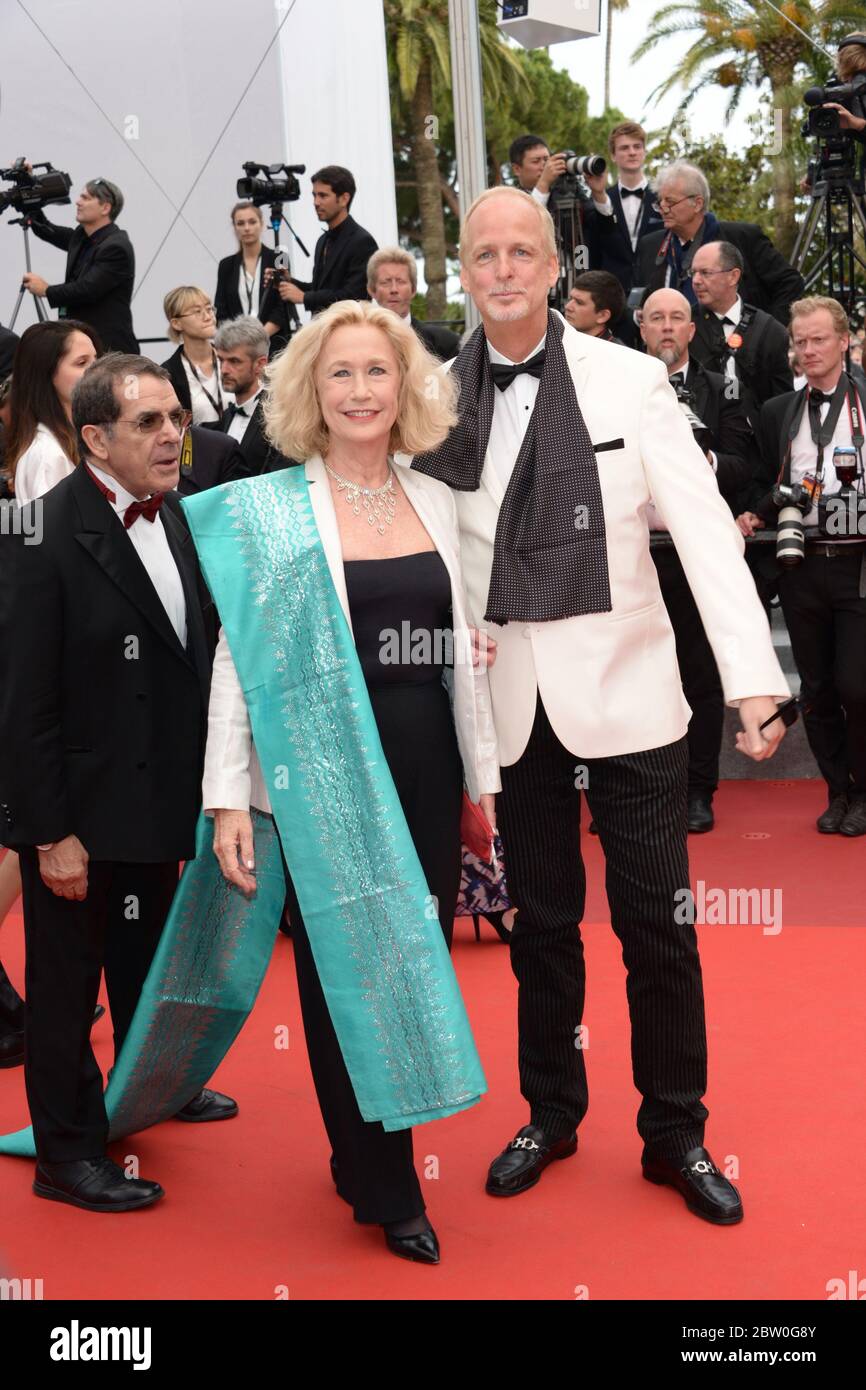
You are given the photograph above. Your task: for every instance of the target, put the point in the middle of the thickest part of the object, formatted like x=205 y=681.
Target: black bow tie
x=631 y=192
x=503 y=374
x=820 y=397
x=677 y=379
x=231 y=411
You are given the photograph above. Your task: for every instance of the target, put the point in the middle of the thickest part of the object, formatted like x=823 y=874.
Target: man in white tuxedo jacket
x=587 y=693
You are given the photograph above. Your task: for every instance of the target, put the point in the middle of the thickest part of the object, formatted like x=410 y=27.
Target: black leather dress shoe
x=830 y=822
x=96 y=1184
x=700 y=815
x=11 y=1050
x=208 y=1105
x=422 y=1247
x=855 y=818
x=707 y=1192
x=522 y=1162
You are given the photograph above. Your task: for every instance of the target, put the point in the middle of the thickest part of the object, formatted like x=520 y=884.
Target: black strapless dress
x=401 y=619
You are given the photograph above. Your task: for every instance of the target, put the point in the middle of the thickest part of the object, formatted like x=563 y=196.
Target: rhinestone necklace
x=379 y=503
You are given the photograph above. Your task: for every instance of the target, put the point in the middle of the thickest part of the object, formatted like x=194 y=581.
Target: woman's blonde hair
x=177 y=302
x=426 y=407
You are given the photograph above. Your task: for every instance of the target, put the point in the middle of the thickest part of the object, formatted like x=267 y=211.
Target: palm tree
x=418 y=38
x=611 y=6
x=742 y=44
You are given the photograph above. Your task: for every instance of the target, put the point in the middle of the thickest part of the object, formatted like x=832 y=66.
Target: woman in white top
x=41 y=449
x=40 y=452
x=194 y=368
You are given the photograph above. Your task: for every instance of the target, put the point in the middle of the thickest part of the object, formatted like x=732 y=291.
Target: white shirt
x=632 y=208
x=512 y=411
x=151 y=543
x=203 y=411
x=804 y=455
x=248 y=292
x=735 y=313
x=241 y=419
x=41 y=467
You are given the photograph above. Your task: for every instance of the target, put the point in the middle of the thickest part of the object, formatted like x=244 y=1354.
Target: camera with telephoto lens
x=33 y=191
x=580 y=164
x=793 y=501
x=703 y=436
x=262 y=185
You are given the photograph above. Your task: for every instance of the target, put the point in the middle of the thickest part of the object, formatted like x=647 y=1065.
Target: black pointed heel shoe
x=496 y=920
x=422 y=1247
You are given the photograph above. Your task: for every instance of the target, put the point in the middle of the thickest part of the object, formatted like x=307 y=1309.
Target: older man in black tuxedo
x=106 y=639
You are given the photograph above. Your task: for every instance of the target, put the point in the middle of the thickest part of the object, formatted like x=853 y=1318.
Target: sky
x=631 y=83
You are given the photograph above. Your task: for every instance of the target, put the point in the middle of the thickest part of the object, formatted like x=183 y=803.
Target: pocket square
x=609 y=444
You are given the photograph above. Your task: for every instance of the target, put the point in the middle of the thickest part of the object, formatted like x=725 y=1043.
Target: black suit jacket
x=761 y=364
x=8 y=343
x=725 y=418
x=614 y=242
x=254 y=447
x=216 y=458
x=342 y=274
x=270 y=308
x=440 y=341
x=179 y=379
x=100 y=272
x=102 y=711
x=776 y=418
x=768 y=281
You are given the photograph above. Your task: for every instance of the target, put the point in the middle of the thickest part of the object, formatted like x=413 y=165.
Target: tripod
x=573 y=254
x=25 y=224
x=840 y=198
x=277 y=219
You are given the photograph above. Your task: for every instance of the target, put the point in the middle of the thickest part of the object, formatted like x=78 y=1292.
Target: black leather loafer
x=854 y=822
x=707 y=1192
x=700 y=815
x=830 y=821
x=423 y=1247
x=11 y=1050
x=522 y=1162
x=206 y=1106
x=96 y=1184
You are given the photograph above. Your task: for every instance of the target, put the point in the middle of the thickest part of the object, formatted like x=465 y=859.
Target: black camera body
x=262 y=185
x=837 y=158
x=703 y=435
x=33 y=191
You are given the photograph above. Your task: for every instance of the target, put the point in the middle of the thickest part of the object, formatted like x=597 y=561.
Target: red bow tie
x=148 y=509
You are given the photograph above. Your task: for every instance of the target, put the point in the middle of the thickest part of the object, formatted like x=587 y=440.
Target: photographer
x=851 y=67
x=537 y=172
x=241 y=284
x=100 y=266
x=595 y=302
x=720 y=426
x=340 y=263
x=665 y=258
x=807 y=437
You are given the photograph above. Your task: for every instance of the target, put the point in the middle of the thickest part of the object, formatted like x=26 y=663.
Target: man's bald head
x=666 y=327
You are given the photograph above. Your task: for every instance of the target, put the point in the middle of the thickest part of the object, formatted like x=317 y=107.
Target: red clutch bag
x=476 y=831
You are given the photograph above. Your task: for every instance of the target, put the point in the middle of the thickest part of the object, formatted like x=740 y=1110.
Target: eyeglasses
x=152 y=421
x=203 y=310
x=704 y=274
x=664 y=204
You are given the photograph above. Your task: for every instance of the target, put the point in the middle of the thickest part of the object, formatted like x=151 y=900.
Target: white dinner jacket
x=232 y=775
x=609 y=682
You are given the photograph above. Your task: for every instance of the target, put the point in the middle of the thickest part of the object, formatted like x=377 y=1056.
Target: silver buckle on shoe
x=523 y=1142
x=703 y=1165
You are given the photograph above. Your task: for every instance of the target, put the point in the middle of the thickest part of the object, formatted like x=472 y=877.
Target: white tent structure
x=168 y=99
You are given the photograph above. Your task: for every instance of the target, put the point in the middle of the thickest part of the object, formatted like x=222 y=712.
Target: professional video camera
x=33 y=191
x=568 y=196
x=269 y=188
x=837 y=152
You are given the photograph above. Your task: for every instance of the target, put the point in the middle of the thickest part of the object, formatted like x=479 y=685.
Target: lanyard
x=249 y=281
x=845 y=391
x=218 y=403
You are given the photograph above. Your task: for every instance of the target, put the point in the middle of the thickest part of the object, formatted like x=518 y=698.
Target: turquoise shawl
x=373 y=927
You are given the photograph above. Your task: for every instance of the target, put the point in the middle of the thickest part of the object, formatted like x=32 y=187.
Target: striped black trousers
x=638 y=802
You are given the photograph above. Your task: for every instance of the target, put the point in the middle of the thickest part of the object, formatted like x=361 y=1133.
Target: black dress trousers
x=699 y=673
x=826 y=619
x=117 y=926
x=638 y=802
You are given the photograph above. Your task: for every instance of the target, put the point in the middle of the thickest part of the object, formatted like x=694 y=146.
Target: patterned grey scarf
x=550 y=551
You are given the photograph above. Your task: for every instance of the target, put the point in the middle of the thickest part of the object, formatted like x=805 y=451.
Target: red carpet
x=250 y=1206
